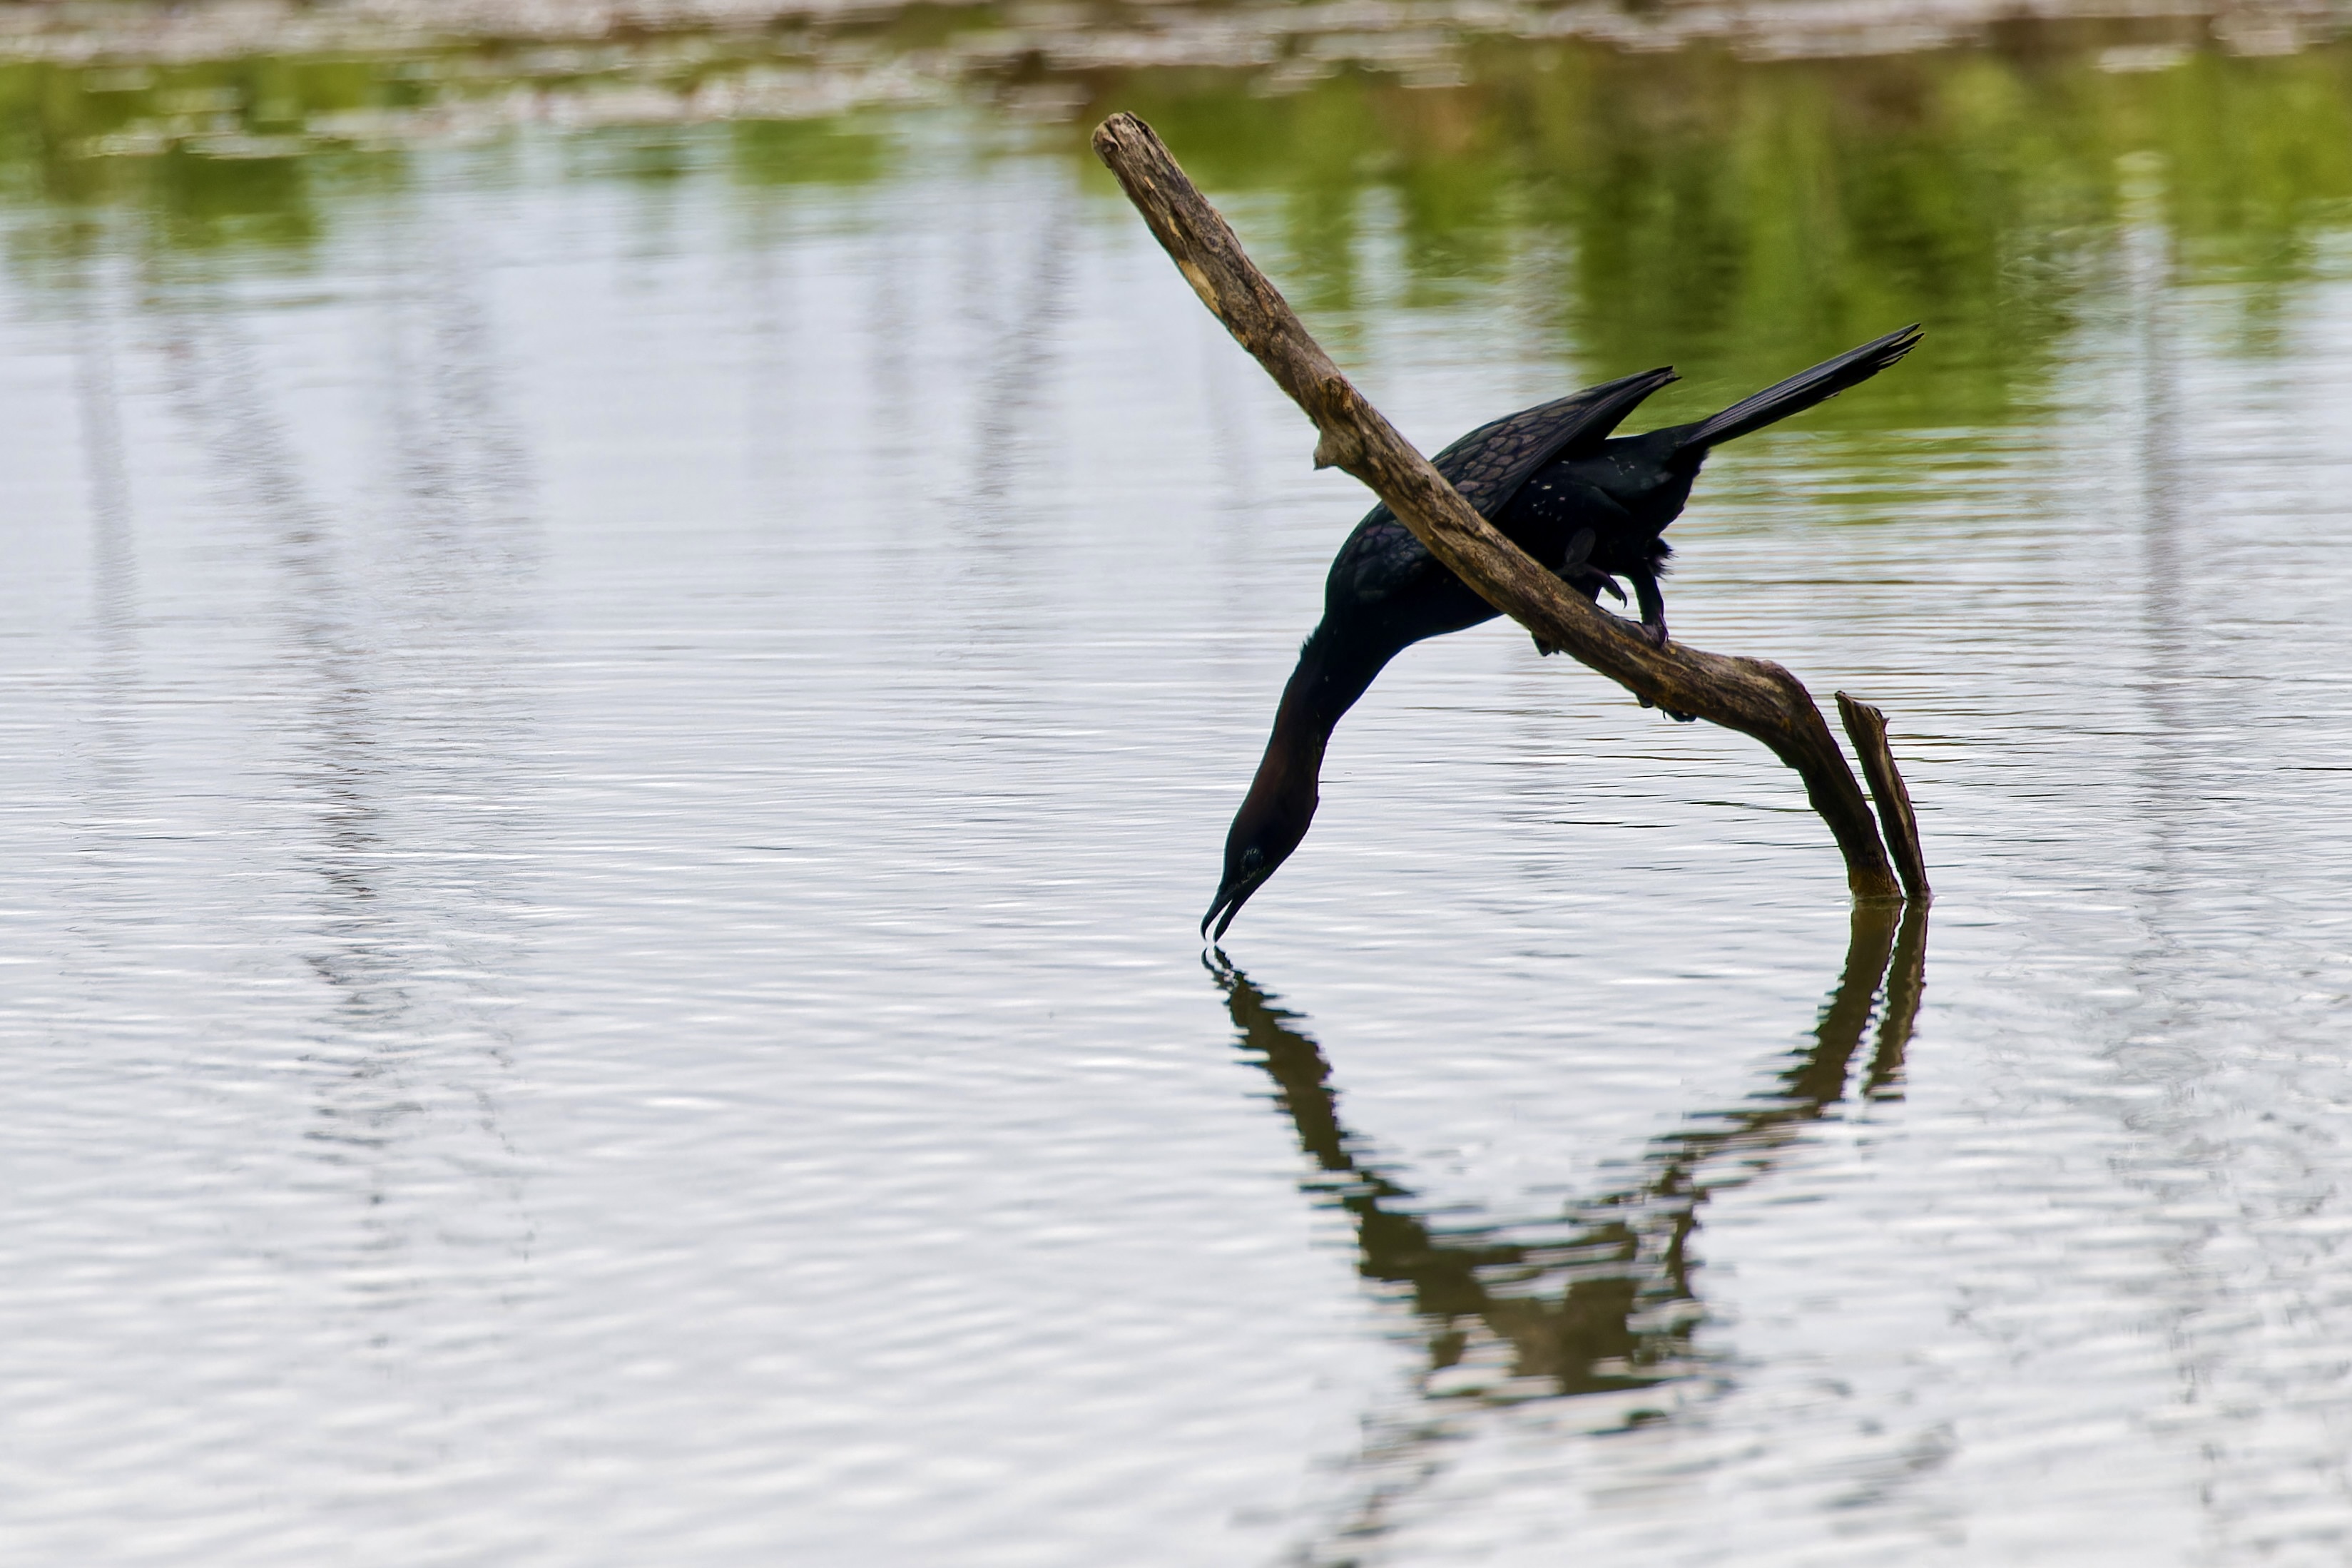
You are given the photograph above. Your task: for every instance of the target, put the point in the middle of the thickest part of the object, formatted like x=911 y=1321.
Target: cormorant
x=1589 y=506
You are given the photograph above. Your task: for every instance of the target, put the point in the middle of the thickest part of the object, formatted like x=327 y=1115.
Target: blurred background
x=1729 y=186
x=628 y=632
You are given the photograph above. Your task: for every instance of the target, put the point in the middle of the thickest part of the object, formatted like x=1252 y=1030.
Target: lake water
x=618 y=711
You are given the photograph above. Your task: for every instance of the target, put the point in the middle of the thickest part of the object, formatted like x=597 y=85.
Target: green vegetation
x=1735 y=217
x=841 y=152
x=1738 y=218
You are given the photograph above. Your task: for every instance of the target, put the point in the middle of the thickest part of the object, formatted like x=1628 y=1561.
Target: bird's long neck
x=1331 y=675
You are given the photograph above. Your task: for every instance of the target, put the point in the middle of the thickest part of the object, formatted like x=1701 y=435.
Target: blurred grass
x=1740 y=218
x=1735 y=217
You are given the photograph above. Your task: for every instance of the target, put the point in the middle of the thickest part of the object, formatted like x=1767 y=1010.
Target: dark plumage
x=1589 y=506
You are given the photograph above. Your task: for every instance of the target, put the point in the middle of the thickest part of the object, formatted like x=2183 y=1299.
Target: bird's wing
x=1487 y=465
x=1490 y=464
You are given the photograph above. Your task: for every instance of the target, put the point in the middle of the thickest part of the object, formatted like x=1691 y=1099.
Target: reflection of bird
x=1585 y=1299
x=1551 y=477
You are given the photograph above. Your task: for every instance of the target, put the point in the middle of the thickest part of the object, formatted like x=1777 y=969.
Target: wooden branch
x=1867 y=727
x=1755 y=697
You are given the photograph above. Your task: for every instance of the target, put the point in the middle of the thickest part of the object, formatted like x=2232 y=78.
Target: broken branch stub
x=1755 y=697
x=1866 y=726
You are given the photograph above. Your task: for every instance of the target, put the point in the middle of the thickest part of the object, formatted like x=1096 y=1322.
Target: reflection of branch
x=1599 y=1309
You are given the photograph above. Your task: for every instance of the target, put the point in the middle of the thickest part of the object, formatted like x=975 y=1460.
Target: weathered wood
x=1755 y=697
x=1868 y=726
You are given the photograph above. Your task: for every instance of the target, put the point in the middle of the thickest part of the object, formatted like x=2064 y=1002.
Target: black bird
x=1589 y=506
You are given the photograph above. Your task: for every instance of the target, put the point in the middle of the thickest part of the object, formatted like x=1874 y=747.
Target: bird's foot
x=1678 y=716
x=1545 y=648
x=1655 y=631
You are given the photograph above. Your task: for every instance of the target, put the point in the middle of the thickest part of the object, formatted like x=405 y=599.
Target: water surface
x=615 y=733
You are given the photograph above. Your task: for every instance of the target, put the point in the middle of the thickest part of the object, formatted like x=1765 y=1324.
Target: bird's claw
x=1656 y=632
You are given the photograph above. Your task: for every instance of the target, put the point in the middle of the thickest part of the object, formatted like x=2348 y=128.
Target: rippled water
x=613 y=744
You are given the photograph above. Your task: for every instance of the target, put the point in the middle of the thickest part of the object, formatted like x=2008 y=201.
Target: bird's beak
x=1230 y=900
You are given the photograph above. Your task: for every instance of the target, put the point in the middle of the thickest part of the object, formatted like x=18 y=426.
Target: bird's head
x=1271 y=822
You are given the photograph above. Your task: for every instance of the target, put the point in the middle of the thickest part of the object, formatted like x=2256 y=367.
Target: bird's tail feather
x=1800 y=390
